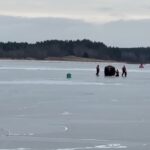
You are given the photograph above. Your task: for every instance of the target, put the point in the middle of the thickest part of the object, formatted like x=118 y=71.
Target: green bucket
x=69 y=75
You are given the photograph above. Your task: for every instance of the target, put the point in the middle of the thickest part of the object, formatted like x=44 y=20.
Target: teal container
x=69 y=76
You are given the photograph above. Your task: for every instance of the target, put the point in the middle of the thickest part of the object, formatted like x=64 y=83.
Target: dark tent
x=109 y=71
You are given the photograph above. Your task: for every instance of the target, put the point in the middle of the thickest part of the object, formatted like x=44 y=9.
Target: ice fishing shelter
x=109 y=71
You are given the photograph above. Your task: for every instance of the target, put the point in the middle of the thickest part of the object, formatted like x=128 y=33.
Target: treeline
x=80 y=48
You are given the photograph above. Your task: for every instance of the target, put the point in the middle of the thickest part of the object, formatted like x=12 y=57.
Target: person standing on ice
x=97 y=70
x=124 y=71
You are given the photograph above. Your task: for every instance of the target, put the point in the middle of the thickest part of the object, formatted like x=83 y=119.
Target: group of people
x=124 y=71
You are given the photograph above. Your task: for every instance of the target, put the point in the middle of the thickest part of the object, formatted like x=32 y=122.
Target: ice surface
x=42 y=110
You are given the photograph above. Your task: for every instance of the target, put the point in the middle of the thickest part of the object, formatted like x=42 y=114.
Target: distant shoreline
x=77 y=50
x=76 y=59
x=70 y=58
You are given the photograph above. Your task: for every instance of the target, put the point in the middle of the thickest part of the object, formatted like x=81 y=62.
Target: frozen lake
x=41 y=110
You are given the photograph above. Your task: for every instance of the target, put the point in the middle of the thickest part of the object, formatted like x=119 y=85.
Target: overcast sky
x=124 y=23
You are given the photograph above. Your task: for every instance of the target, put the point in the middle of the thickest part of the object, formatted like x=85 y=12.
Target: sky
x=122 y=23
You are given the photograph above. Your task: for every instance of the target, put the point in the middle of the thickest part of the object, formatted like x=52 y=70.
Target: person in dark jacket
x=124 y=71
x=97 y=70
x=117 y=73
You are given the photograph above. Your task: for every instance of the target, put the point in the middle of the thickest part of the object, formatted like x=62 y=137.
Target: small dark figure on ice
x=117 y=73
x=124 y=71
x=97 y=70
